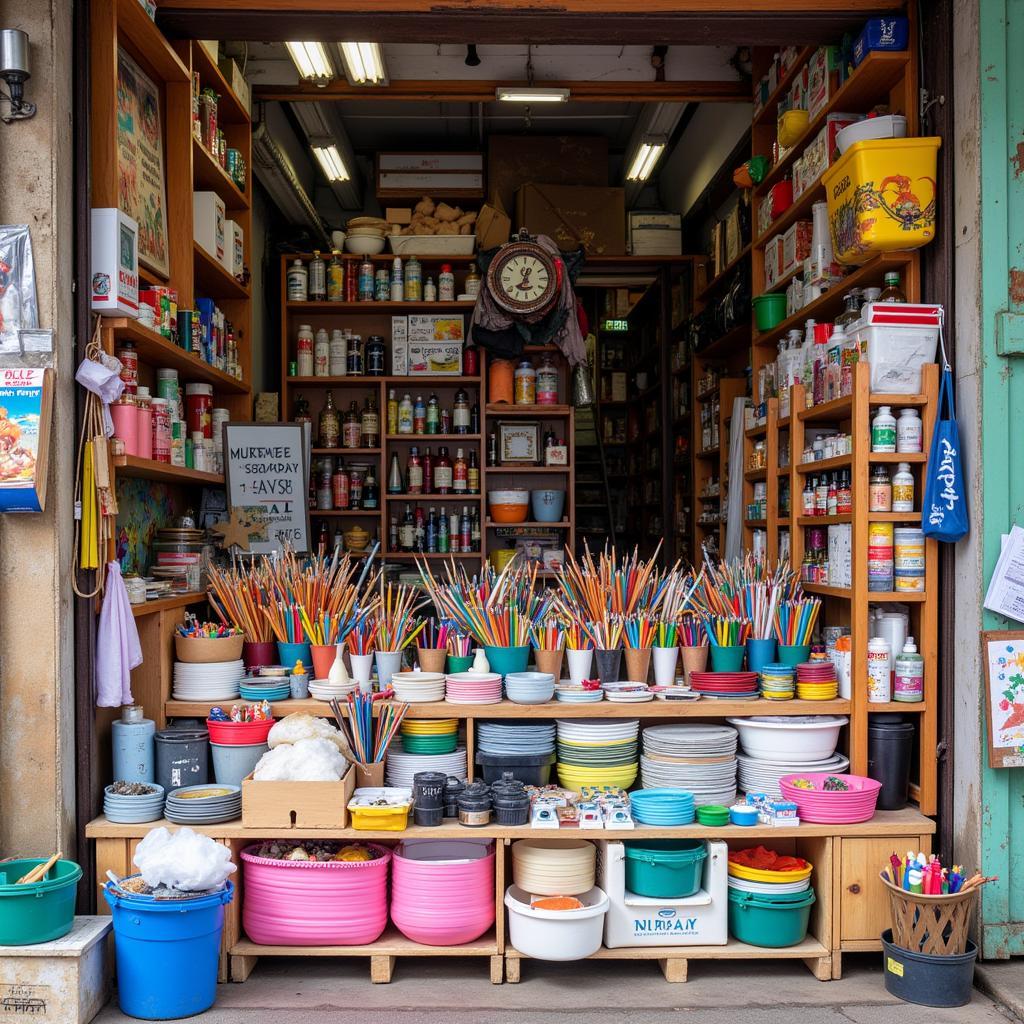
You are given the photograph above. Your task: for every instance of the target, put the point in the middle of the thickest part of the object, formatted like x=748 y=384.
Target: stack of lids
x=713 y=815
x=698 y=758
x=203 y=805
x=402 y=765
x=515 y=737
x=725 y=685
x=598 y=753
x=777 y=682
x=816 y=680
x=430 y=736
x=554 y=867
x=662 y=807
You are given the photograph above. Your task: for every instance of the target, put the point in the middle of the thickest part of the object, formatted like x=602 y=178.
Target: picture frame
x=519 y=443
x=1002 y=652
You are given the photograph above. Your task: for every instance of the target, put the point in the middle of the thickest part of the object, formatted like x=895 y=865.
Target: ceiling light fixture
x=643 y=163
x=530 y=94
x=364 y=63
x=312 y=61
x=330 y=161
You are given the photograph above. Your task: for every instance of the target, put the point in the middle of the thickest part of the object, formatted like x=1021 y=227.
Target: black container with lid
x=475 y=805
x=510 y=800
x=452 y=791
x=890 y=754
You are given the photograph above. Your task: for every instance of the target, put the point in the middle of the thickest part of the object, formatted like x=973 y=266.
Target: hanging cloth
x=118 y=650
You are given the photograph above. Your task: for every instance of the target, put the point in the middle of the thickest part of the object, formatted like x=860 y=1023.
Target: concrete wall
x=37 y=764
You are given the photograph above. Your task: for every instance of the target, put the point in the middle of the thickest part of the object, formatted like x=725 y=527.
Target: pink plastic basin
x=307 y=903
x=829 y=807
x=443 y=892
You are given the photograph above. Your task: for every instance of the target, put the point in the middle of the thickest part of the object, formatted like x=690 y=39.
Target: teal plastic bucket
x=504 y=660
x=167 y=953
x=770 y=921
x=769 y=310
x=760 y=653
x=665 y=868
x=289 y=653
x=41 y=911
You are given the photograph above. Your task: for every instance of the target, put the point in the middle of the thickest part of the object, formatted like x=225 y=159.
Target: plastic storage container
x=882 y=197
x=770 y=921
x=392 y=817
x=665 y=868
x=881 y=34
x=40 y=911
x=530 y=769
x=769 y=310
x=927 y=979
x=890 y=750
x=556 y=934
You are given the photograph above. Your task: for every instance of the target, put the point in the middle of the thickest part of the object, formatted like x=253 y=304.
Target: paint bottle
x=879 y=679
x=133 y=746
x=317 y=278
x=298 y=282
x=883 y=431
x=909 y=674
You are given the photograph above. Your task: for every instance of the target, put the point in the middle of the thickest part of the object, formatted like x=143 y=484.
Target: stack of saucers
x=204 y=805
x=323 y=690
x=698 y=758
x=725 y=685
x=207 y=681
x=402 y=766
x=816 y=680
x=529 y=687
x=261 y=688
x=473 y=688
x=777 y=681
x=627 y=693
x=418 y=687
x=515 y=737
x=568 y=693
x=125 y=809
x=598 y=753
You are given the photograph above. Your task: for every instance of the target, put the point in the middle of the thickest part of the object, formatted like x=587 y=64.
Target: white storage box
x=209 y=223
x=655 y=234
x=897 y=339
x=699 y=920
x=115 y=263
x=234 y=248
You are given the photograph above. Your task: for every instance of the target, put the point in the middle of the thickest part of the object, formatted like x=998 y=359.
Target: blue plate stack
x=270 y=688
x=204 y=805
x=662 y=807
x=529 y=687
x=132 y=810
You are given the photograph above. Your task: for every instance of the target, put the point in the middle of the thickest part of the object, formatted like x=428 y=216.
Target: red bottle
x=443 y=472
x=428 y=471
x=414 y=472
x=340 y=487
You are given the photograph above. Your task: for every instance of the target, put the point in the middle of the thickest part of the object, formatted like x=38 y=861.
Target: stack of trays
x=777 y=682
x=700 y=759
x=725 y=685
x=473 y=688
x=426 y=736
x=132 y=810
x=515 y=738
x=208 y=681
x=816 y=680
x=204 y=805
x=418 y=687
x=403 y=765
x=598 y=753
x=758 y=776
x=529 y=687
x=264 y=689
x=570 y=694
x=662 y=807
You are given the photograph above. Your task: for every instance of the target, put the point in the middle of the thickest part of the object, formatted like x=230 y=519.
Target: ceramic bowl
x=364 y=245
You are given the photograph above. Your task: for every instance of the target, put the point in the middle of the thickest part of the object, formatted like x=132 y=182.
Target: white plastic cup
x=362 y=667
x=665 y=659
x=580 y=663
x=388 y=663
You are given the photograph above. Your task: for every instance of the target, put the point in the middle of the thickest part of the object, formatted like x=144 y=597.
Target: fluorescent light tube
x=643 y=163
x=330 y=160
x=529 y=94
x=364 y=62
x=311 y=60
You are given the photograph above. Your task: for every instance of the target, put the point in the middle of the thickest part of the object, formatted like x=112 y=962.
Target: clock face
x=522 y=278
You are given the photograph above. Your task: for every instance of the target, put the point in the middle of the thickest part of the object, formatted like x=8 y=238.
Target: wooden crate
x=283 y=805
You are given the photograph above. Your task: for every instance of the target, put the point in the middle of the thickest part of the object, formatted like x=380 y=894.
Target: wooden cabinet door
x=863 y=900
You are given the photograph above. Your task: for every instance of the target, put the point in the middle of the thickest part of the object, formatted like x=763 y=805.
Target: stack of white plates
x=758 y=776
x=208 y=681
x=698 y=758
x=627 y=693
x=418 y=687
x=570 y=694
x=515 y=738
x=554 y=867
x=323 y=690
x=401 y=767
x=529 y=687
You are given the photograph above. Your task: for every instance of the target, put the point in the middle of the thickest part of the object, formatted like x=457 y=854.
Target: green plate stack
x=423 y=736
x=713 y=815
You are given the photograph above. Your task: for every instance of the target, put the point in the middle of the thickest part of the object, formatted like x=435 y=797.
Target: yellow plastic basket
x=380 y=819
x=882 y=197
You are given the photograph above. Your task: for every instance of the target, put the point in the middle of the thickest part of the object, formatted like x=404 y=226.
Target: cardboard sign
x=266 y=466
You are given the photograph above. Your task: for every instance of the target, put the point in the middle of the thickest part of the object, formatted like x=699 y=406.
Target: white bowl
x=509 y=497
x=366 y=245
x=797 y=739
x=888 y=126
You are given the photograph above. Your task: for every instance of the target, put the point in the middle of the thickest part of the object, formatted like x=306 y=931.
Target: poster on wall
x=141 y=187
x=267 y=472
x=1003 y=654
x=26 y=409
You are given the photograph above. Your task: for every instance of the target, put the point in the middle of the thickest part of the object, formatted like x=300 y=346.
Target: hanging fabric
x=118 y=650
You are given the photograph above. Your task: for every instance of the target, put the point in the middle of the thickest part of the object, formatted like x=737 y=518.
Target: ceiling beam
x=465 y=91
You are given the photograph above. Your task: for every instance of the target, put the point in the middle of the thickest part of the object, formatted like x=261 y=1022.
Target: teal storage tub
x=667 y=869
x=41 y=911
x=770 y=921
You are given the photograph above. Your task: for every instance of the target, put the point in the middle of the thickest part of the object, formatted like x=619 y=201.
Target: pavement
x=441 y=991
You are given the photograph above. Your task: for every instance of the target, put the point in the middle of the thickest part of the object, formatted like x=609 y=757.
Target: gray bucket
x=926 y=979
x=232 y=762
x=182 y=758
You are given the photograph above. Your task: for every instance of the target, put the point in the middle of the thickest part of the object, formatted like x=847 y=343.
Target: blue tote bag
x=944 y=505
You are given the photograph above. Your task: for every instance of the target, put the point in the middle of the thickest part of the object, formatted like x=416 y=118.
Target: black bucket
x=926 y=979
x=890 y=750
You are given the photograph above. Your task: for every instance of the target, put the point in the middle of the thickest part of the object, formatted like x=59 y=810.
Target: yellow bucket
x=882 y=197
x=500 y=557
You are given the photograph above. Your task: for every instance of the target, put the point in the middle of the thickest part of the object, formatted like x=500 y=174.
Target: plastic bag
x=316 y=760
x=183 y=860
x=293 y=728
x=18 y=308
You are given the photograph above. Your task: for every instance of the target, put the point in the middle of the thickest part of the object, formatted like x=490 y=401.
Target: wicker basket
x=935 y=925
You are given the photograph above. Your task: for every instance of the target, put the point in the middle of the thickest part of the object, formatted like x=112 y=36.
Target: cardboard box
x=297 y=804
x=655 y=234
x=239 y=86
x=398 y=215
x=399 y=346
x=435 y=358
x=772 y=262
x=733 y=238
x=234 y=248
x=574 y=216
x=618 y=386
x=209 y=223
x=796 y=245
x=820 y=153
x=493 y=225
x=430 y=174
x=822 y=79
x=115 y=263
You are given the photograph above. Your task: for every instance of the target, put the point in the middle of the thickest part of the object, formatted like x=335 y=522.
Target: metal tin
x=908 y=559
x=382 y=285
x=366 y=281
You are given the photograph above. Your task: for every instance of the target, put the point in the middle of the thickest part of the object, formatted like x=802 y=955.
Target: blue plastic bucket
x=167 y=953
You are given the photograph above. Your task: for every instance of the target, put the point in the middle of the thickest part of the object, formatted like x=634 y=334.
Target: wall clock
x=523 y=278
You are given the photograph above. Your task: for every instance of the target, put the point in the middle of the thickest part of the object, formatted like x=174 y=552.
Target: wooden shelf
x=229 y=107
x=379 y=307
x=755 y=523
x=919 y=706
x=897 y=400
x=421 y=438
x=837 y=409
x=346 y=451
x=413 y=498
x=845 y=593
x=824 y=465
x=868 y=85
x=755 y=474
x=410 y=555
x=531 y=523
x=528 y=469
x=713 y=284
x=894 y=517
x=209 y=176
x=756 y=432
x=450 y=379
x=709 y=453
x=165 y=604
x=212 y=281
x=543 y=412
x=767 y=115
x=139 y=29
x=336 y=382
x=896 y=457
x=727 y=342
x=824 y=520
x=156 y=350
x=343 y=513
x=149 y=469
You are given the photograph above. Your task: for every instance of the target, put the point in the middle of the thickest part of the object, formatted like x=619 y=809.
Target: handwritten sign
x=267 y=467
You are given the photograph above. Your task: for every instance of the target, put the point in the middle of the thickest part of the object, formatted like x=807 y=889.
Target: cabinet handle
x=855 y=888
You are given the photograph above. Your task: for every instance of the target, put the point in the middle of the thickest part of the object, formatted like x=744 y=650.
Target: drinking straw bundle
x=356 y=724
x=691 y=631
x=794 y=621
x=397 y=625
x=639 y=632
x=548 y=635
x=726 y=630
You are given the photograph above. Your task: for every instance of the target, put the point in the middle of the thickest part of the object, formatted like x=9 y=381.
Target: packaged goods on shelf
x=115 y=263
x=209 y=224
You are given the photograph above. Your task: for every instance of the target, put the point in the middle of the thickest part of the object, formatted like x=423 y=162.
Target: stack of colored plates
x=426 y=736
x=264 y=689
x=777 y=682
x=713 y=815
x=725 y=685
x=816 y=680
x=207 y=681
x=132 y=810
x=597 y=753
x=529 y=687
x=698 y=758
x=418 y=687
x=769 y=888
x=473 y=688
x=569 y=694
x=662 y=807
x=204 y=805
x=759 y=776
x=403 y=765
x=515 y=738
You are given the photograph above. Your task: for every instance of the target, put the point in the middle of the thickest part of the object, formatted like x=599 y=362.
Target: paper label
x=894 y=967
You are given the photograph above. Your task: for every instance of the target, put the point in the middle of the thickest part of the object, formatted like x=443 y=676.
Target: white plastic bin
x=896 y=355
x=556 y=934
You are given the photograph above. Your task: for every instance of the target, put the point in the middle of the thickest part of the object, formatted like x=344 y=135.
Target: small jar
x=525 y=384
x=547 y=381
x=475 y=806
x=879 y=490
x=499 y=381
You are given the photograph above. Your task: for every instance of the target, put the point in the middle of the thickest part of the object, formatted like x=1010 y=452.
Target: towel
x=118 y=650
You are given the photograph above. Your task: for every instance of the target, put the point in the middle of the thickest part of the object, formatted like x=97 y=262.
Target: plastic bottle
x=430 y=291
x=909 y=431
x=298 y=282
x=392 y=412
x=880 y=491
x=322 y=354
x=317 y=278
x=879 y=681
x=405 y=415
x=892 y=291
x=335 y=279
x=909 y=674
x=397 y=281
x=413 y=280
x=883 y=431
x=903 y=489
x=304 y=350
x=337 y=361
x=419 y=416
x=446 y=283
x=833 y=362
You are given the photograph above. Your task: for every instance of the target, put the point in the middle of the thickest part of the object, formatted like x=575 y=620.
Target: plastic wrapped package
x=183 y=860
x=293 y=728
x=309 y=760
x=18 y=308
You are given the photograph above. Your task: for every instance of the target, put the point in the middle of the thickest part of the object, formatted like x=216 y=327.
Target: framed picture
x=519 y=443
x=1003 y=654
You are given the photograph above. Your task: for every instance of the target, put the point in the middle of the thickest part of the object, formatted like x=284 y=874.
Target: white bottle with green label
x=883 y=431
x=908 y=682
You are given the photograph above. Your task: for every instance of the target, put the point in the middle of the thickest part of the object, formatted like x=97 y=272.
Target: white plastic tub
x=888 y=126
x=797 y=739
x=556 y=934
